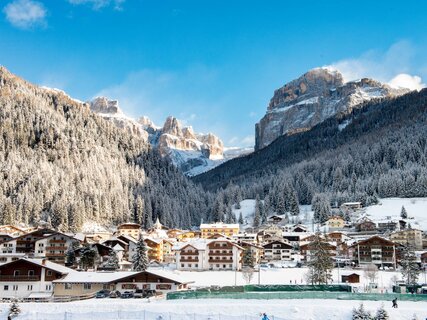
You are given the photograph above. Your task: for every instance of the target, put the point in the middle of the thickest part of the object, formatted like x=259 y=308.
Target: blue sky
x=212 y=64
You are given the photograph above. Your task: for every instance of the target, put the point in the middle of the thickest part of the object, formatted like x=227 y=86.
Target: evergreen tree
x=14 y=309
x=410 y=269
x=381 y=314
x=360 y=313
x=320 y=264
x=257 y=216
x=240 y=218
x=403 y=213
x=88 y=256
x=113 y=261
x=70 y=256
x=140 y=258
x=248 y=258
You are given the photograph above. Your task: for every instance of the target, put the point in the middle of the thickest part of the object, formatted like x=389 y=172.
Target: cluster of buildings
x=34 y=264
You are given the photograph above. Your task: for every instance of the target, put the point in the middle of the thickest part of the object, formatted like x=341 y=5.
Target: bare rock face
x=109 y=109
x=189 y=151
x=174 y=136
x=311 y=99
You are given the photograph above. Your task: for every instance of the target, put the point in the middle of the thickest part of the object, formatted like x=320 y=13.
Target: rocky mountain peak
x=315 y=96
x=172 y=126
x=104 y=105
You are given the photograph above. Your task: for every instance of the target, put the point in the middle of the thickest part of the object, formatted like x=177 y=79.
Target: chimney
x=43 y=262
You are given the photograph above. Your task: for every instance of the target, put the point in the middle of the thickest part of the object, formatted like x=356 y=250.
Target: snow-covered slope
x=312 y=98
x=391 y=207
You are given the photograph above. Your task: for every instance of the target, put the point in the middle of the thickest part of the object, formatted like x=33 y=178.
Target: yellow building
x=129 y=229
x=336 y=222
x=209 y=229
x=186 y=235
x=155 y=249
x=409 y=237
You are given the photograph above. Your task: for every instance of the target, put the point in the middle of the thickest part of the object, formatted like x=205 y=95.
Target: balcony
x=19 y=278
x=56 y=248
x=189 y=253
x=57 y=241
x=187 y=259
x=220 y=261
x=220 y=253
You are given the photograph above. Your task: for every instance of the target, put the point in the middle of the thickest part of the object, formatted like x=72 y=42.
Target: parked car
x=102 y=294
x=149 y=293
x=115 y=294
x=139 y=293
x=127 y=295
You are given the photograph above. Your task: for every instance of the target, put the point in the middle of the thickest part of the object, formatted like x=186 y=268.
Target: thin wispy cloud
x=25 y=14
x=99 y=4
x=393 y=66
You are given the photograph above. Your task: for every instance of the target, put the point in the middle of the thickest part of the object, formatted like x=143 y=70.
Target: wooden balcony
x=187 y=259
x=211 y=253
x=57 y=241
x=183 y=253
x=220 y=261
x=56 y=248
x=19 y=278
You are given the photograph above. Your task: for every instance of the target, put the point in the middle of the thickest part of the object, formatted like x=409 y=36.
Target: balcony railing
x=220 y=253
x=19 y=278
x=184 y=259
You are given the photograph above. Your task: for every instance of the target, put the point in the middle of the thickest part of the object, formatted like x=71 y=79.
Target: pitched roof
x=44 y=263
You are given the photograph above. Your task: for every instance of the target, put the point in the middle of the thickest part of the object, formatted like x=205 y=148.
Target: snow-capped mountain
x=192 y=152
x=312 y=98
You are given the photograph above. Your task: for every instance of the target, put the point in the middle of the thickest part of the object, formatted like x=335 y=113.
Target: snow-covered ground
x=391 y=207
x=218 y=309
x=281 y=276
x=387 y=208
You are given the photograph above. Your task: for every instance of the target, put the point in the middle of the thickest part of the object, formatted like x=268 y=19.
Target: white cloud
x=404 y=80
x=99 y=4
x=392 y=66
x=25 y=14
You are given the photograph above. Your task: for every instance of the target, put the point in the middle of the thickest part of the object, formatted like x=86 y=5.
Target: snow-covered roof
x=107 y=277
x=118 y=247
x=49 y=264
x=95 y=277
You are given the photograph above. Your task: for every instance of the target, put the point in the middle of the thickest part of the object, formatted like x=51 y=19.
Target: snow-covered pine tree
x=14 y=309
x=360 y=313
x=257 y=215
x=113 y=261
x=248 y=258
x=240 y=218
x=403 y=213
x=320 y=264
x=381 y=314
x=88 y=256
x=410 y=269
x=70 y=256
x=140 y=258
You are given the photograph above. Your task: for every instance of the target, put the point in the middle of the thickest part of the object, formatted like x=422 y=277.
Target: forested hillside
x=62 y=164
x=377 y=150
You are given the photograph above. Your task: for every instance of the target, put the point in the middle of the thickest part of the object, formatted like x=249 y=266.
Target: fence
x=136 y=315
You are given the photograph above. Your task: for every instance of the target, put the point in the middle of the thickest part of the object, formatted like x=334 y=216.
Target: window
x=87 y=286
x=41 y=244
x=182 y=265
x=6 y=288
x=30 y=272
x=68 y=286
x=196 y=265
x=3 y=259
x=189 y=265
x=16 y=273
x=15 y=287
x=49 y=272
x=48 y=287
x=30 y=287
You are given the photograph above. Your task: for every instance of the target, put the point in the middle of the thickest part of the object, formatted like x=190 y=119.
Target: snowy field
x=216 y=309
x=391 y=207
x=281 y=276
